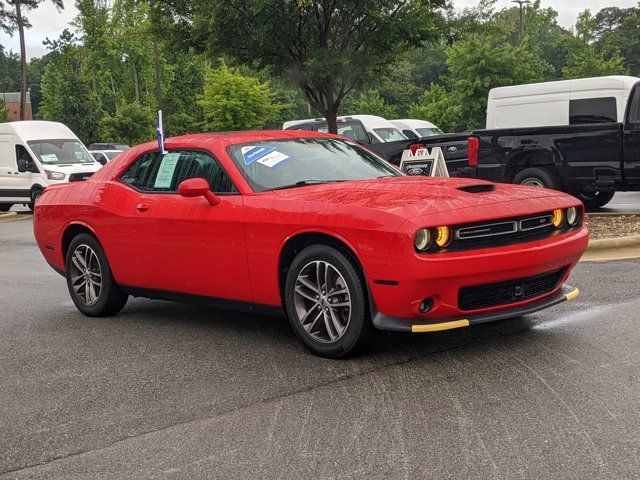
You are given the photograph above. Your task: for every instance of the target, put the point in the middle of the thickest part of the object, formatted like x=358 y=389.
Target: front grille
x=512 y=291
x=79 y=177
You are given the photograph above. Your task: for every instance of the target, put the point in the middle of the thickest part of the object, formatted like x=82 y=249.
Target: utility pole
x=522 y=3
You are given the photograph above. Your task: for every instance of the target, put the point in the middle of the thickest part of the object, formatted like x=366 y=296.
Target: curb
x=8 y=215
x=614 y=243
x=612 y=214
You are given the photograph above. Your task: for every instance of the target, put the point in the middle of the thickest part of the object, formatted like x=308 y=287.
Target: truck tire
x=594 y=200
x=5 y=207
x=536 y=177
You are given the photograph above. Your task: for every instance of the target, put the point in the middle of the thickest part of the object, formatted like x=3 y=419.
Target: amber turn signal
x=558 y=218
x=443 y=236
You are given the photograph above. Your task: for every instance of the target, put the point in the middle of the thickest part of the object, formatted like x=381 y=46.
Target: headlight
x=422 y=240
x=443 y=236
x=572 y=216
x=558 y=218
x=54 y=175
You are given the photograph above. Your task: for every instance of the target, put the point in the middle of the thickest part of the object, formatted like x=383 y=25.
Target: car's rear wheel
x=326 y=301
x=594 y=200
x=536 y=177
x=93 y=289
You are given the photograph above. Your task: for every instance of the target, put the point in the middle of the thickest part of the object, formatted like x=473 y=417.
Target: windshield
x=429 y=132
x=389 y=134
x=58 y=152
x=289 y=163
x=112 y=155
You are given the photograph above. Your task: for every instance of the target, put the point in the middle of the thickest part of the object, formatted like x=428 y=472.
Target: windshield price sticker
x=165 y=172
x=49 y=157
x=272 y=159
x=253 y=153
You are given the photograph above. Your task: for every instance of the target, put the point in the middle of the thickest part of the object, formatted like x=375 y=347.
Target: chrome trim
x=528 y=229
x=513 y=223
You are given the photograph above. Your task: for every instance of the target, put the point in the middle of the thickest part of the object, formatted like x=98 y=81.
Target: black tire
x=109 y=300
x=35 y=196
x=5 y=207
x=357 y=326
x=595 y=200
x=537 y=177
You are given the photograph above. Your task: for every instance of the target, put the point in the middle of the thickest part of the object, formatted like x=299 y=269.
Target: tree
x=440 y=107
x=326 y=47
x=4 y=114
x=232 y=101
x=21 y=23
x=587 y=62
x=67 y=96
x=133 y=124
x=371 y=103
x=480 y=63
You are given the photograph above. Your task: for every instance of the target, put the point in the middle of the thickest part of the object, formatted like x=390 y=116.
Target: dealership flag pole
x=160 y=133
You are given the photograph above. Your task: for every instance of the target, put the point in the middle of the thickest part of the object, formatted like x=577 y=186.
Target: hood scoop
x=479 y=188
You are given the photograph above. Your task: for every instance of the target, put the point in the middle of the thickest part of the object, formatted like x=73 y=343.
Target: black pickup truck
x=592 y=158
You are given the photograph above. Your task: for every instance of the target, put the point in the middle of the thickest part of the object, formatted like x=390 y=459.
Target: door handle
x=143 y=207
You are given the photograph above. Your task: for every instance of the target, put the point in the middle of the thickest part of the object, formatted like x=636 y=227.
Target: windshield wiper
x=302 y=183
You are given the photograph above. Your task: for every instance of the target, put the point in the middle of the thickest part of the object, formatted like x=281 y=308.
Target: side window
x=634 y=109
x=409 y=134
x=22 y=154
x=154 y=172
x=593 y=110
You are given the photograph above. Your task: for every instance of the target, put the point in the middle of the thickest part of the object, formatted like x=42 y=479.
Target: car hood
x=416 y=196
x=70 y=168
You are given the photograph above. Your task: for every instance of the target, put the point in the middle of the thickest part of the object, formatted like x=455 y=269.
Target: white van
x=361 y=128
x=567 y=102
x=34 y=155
x=413 y=128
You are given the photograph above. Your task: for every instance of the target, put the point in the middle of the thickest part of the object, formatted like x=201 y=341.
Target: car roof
x=233 y=138
x=413 y=123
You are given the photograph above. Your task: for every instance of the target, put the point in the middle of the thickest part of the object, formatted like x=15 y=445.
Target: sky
x=48 y=22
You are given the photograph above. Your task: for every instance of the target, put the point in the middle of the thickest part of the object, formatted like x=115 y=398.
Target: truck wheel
x=536 y=177
x=5 y=207
x=595 y=200
x=35 y=196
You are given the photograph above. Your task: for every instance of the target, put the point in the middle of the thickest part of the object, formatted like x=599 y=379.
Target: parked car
x=364 y=129
x=103 y=156
x=312 y=225
x=108 y=146
x=412 y=128
x=35 y=155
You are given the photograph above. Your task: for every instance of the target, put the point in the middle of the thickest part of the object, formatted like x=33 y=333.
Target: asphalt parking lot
x=166 y=390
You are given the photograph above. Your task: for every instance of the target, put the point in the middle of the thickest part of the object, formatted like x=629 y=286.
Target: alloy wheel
x=86 y=275
x=322 y=301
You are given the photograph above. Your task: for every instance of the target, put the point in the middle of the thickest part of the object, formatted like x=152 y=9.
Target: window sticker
x=166 y=170
x=254 y=152
x=272 y=159
x=49 y=157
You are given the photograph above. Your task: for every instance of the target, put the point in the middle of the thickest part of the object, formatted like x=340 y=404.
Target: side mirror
x=25 y=165
x=198 y=187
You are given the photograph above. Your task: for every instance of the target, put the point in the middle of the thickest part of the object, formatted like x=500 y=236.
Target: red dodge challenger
x=312 y=225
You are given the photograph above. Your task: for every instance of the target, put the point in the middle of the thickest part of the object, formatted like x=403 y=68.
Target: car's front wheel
x=326 y=301
x=89 y=279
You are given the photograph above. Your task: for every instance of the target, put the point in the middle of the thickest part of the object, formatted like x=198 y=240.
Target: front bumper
x=385 y=322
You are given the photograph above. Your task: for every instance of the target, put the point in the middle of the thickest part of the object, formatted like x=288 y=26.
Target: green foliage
x=327 y=49
x=4 y=113
x=133 y=122
x=440 y=107
x=480 y=63
x=232 y=101
x=587 y=62
x=371 y=103
x=67 y=94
